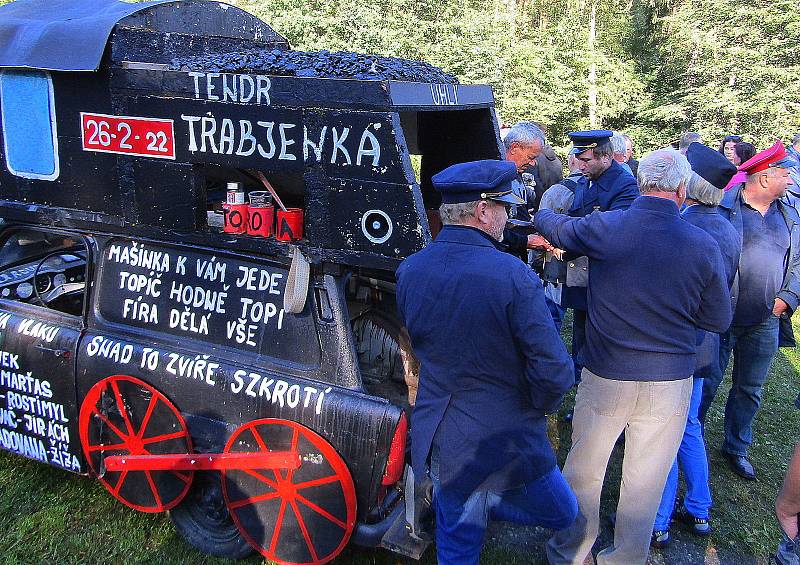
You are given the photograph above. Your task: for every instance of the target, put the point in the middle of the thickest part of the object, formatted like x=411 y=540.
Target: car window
x=43 y=268
x=29 y=124
x=205 y=296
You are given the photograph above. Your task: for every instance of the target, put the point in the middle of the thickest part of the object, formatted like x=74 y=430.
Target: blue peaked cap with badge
x=477 y=180
x=589 y=139
x=710 y=164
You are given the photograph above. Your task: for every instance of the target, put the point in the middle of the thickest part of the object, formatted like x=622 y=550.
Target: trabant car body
x=259 y=389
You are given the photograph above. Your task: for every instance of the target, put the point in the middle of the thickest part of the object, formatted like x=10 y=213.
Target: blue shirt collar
x=700 y=209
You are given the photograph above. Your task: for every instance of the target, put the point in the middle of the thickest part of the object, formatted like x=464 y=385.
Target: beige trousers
x=653 y=416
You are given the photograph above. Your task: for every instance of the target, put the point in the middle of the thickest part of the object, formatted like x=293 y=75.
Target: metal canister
x=289 y=224
x=235 y=193
x=235 y=218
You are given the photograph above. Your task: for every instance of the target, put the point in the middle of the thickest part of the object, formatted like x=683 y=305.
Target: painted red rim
x=299 y=517
x=123 y=415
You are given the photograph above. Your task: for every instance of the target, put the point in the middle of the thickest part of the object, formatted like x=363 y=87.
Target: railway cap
x=775 y=156
x=488 y=179
x=710 y=164
x=589 y=139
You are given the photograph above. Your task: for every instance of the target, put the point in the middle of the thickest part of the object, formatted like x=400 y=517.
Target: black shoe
x=741 y=466
x=660 y=539
x=699 y=526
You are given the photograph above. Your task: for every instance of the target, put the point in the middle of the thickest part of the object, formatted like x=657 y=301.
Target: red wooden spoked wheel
x=304 y=516
x=123 y=415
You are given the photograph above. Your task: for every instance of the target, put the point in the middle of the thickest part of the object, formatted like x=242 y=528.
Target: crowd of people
x=670 y=265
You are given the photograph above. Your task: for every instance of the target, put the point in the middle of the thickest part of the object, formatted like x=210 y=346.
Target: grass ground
x=47 y=515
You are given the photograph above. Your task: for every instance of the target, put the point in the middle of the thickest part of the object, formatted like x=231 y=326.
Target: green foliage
x=663 y=66
x=725 y=66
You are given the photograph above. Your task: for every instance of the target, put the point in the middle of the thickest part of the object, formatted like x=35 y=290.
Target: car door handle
x=65 y=353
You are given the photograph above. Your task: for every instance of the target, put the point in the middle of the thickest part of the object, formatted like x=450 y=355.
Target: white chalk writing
x=136 y=255
x=278 y=391
x=30 y=417
x=225 y=87
x=197 y=367
x=38 y=330
x=208 y=134
x=116 y=351
x=444 y=94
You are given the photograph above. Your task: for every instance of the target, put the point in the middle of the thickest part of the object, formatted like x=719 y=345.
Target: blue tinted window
x=29 y=124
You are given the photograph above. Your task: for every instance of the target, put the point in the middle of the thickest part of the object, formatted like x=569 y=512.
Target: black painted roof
x=62 y=35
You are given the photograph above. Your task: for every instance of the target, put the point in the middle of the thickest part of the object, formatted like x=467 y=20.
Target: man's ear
x=681 y=192
x=481 y=211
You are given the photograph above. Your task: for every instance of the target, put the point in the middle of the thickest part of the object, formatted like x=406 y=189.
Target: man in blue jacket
x=654 y=279
x=491 y=366
x=605 y=186
x=765 y=294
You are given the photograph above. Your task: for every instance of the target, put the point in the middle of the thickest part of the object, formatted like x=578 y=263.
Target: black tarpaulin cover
x=60 y=35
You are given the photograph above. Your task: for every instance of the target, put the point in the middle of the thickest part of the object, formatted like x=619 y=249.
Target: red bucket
x=260 y=220
x=235 y=218
x=289 y=224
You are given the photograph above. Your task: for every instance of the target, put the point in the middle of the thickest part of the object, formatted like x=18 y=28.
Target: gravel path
x=685 y=549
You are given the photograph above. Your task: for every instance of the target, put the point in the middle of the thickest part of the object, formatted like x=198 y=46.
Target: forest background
x=652 y=68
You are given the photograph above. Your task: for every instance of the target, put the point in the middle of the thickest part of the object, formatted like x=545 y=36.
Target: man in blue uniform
x=491 y=367
x=605 y=186
x=711 y=172
x=766 y=294
x=655 y=279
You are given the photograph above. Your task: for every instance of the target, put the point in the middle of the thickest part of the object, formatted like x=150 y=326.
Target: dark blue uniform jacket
x=653 y=280
x=730 y=245
x=491 y=362
x=615 y=189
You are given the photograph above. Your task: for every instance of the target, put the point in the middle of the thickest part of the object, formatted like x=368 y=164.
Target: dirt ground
x=685 y=549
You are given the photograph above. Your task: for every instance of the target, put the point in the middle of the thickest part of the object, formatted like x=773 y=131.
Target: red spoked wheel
x=301 y=516
x=123 y=415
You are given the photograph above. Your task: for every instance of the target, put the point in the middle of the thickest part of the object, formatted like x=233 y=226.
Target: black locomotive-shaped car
x=201 y=228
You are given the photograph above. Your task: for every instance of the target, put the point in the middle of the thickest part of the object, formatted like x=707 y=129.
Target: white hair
x=456 y=213
x=663 y=170
x=526 y=133
x=618 y=143
x=702 y=191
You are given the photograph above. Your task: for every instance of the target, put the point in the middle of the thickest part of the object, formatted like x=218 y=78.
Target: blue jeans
x=557 y=312
x=753 y=349
x=461 y=519
x=694 y=464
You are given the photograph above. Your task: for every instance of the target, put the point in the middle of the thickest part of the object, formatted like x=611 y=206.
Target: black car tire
x=388 y=366
x=204 y=522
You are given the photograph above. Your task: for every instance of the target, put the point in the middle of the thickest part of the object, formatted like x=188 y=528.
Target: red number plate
x=146 y=137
